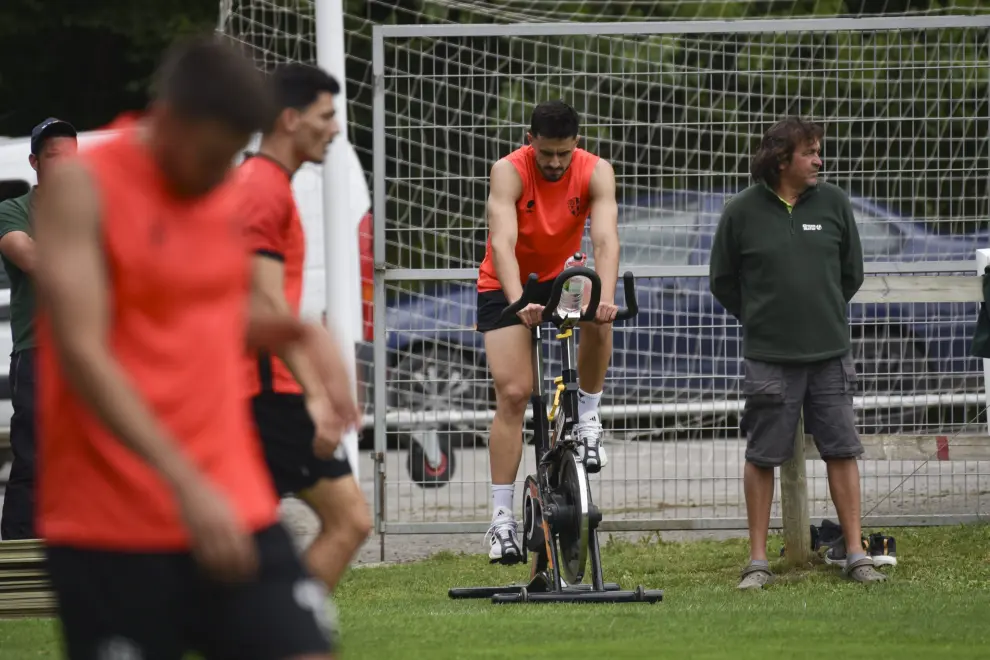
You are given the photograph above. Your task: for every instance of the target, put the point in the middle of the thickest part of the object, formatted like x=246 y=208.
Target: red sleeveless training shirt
x=551 y=216
x=178 y=286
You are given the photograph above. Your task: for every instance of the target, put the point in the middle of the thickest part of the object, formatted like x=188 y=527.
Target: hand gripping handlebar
x=550 y=311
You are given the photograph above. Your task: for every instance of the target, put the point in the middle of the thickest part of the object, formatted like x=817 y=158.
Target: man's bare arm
x=72 y=282
x=267 y=332
x=268 y=297
x=604 y=227
x=503 y=227
x=19 y=248
x=314 y=357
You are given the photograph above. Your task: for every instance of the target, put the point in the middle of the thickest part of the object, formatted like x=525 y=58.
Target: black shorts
x=775 y=396
x=491 y=304
x=158 y=606
x=287 y=432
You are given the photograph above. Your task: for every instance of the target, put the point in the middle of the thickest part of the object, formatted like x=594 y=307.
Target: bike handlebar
x=550 y=310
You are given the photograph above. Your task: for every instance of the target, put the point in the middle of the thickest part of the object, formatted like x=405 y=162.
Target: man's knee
x=341 y=508
x=594 y=335
x=513 y=397
x=358 y=523
x=849 y=457
x=508 y=352
x=351 y=528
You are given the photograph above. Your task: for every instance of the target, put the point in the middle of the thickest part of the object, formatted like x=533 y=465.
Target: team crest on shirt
x=574 y=204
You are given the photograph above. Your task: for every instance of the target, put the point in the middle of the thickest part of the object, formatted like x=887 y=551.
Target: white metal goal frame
x=704 y=489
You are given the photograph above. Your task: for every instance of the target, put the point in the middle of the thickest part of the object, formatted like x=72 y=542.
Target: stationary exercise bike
x=560 y=520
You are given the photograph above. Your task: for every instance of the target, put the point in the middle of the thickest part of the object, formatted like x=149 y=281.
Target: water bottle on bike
x=575 y=289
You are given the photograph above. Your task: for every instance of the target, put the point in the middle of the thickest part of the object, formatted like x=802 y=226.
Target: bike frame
x=562 y=415
x=563 y=410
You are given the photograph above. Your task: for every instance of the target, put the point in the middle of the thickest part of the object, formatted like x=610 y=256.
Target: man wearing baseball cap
x=50 y=140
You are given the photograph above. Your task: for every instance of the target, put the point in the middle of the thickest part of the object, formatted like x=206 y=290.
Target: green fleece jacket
x=788 y=273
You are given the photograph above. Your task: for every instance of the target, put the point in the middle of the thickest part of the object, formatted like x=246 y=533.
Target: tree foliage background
x=907 y=114
x=88 y=61
x=85 y=61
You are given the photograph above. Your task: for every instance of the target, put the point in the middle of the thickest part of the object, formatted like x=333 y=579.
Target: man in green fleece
x=51 y=140
x=786 y=261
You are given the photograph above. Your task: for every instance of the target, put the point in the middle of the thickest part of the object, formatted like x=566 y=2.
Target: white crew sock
x=588 y=404
x=502 y=499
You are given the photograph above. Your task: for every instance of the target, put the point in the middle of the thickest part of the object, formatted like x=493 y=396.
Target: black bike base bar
x=640 y=595
x=488 y=592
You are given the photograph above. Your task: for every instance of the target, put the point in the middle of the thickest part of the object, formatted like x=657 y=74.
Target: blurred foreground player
x=299 y=431
x=159 y=518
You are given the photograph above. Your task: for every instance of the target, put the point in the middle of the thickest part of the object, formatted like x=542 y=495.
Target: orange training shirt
x=274 y=229
x=551 y=216
x=178 y=286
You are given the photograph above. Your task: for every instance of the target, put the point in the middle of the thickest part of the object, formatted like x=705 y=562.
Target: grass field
x=936 y=605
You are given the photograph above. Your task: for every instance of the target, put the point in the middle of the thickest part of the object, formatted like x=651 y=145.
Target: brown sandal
x=863 y=570
x=755 y=576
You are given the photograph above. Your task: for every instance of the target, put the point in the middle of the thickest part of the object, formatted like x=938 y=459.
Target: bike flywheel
x=571 y=524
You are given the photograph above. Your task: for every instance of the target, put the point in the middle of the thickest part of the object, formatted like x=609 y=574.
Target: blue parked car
x=681 y=356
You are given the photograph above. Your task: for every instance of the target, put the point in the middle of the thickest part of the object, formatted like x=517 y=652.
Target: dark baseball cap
x=51 y=127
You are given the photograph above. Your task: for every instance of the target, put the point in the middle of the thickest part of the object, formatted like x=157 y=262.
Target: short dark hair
x=206 y=77
x=554 y=120
x=778 y=145
x=296 y=85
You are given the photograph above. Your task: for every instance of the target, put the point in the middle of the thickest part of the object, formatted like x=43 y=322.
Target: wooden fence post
x=794 y=502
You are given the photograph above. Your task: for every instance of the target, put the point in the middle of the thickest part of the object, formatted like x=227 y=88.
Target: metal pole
x=378 y=346
x=340 y=239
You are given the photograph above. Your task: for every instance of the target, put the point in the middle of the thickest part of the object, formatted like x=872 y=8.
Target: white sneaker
x=502 y=539
x=589 y=432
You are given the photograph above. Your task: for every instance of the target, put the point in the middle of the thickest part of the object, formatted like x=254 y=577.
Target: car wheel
x=434 y=377
x=434 y=473
x=437 y=377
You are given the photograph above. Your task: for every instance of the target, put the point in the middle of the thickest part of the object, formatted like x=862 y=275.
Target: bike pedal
x=591 y=466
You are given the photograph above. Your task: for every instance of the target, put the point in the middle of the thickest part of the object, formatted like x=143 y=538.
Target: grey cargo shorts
x=775 y=394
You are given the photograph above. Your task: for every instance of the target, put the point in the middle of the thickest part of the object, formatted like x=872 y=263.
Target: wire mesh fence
x=678 y=109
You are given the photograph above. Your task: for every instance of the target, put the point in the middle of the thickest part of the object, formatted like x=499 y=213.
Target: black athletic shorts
x=287 y=432
x=491 y=304
x=158 y=606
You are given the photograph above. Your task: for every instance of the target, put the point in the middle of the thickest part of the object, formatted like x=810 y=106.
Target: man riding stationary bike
x=540 y=196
